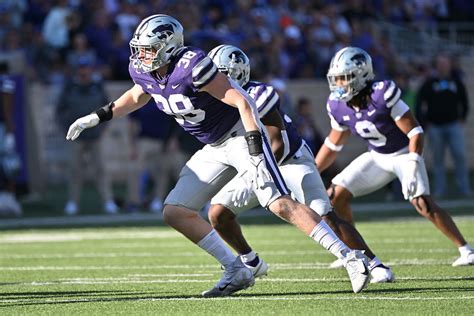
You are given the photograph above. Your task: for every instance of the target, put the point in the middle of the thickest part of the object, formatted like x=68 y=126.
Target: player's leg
x=224 y=221
x=275 y=196
x=444 y=222
x=362 y=176
x=426 y=206
x=341 y=199
x=200 y=179
x=306 y=185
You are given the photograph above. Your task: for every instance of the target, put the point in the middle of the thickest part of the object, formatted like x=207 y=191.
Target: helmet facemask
x=353 y=67
x=346 y=91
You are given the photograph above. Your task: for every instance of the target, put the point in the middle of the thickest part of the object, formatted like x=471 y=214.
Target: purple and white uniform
x=297 y=164
x=212 y=122
x=388 y=145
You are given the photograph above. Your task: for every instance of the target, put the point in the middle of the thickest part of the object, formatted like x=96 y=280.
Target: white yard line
x=249 y=298
x=193 y=254
x=273 y=266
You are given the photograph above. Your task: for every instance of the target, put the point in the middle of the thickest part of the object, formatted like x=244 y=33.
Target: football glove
x=409 y=181
x=81 y=124
x=253 y=178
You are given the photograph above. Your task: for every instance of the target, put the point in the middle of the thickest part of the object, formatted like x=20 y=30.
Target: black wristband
x=105 y=113
x=254 y=142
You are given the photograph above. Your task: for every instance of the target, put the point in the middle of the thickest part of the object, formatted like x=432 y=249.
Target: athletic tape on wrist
x=105 y=113
x=332 y=146
x=415 y=131
x=254 y=142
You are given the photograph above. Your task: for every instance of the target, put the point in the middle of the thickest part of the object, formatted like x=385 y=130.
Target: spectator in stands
x=442 y=107
x=148 y=130
x=80 y=96
x=55 y=27
x=179 y=147
x=9 y=160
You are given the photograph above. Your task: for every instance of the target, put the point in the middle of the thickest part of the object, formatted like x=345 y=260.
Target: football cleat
x=466 y=259
x=381 y=274
x=259 y=270
x=357 y=266
x=235 y=278
x=337 y=264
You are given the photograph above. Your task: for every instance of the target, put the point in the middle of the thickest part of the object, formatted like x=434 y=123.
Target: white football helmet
x=155 y=40
x=233 y=62
x=354 y=66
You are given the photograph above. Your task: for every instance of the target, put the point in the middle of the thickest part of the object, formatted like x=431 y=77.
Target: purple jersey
x=376 y=123
x=267 y=99
x=177 y=94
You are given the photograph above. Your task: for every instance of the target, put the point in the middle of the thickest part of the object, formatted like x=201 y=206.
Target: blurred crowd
x=80 y=44
x=283 y=38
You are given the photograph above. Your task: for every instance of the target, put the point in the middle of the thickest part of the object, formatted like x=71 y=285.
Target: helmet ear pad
x=160 y=35
x=353 y=63
x=233 y=62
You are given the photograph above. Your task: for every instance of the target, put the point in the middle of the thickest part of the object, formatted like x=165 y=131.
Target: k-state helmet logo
x=359 y=59
x=165 y=31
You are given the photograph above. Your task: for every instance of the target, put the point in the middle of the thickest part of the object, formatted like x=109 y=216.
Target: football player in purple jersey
x=296 y=163
x=185 y=83
x=373 y=110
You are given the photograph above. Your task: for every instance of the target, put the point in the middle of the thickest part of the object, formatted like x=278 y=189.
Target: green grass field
x=156 y=271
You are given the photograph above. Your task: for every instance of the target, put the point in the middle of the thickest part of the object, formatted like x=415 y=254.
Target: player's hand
x=81 y=124
x=258 y=171
x=410 y=181
x=242 y=191
x=253 y=178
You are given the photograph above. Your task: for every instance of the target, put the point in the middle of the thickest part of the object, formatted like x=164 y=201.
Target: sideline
x=136 y=218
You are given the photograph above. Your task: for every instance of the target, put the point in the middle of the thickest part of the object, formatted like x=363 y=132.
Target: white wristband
x=415 y=131
x=332 y=146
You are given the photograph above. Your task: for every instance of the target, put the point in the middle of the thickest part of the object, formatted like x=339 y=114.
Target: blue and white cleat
x=235 y=278
x=260 y=270
x=357 y=266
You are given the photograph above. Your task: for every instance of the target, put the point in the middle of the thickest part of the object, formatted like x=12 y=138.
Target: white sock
x=374 y=262
x=326 y=237
x=248 y=256
x=466 y=249
x=216 y=247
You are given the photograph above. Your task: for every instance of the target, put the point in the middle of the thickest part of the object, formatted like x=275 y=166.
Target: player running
x=372 y=109
x=186 y=84
x=296 y=163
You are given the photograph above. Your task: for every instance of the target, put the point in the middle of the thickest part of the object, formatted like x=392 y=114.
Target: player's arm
x=275 y=127
x=129 y=101
x=333 y=144
x=221 y=88
x=409 y=125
